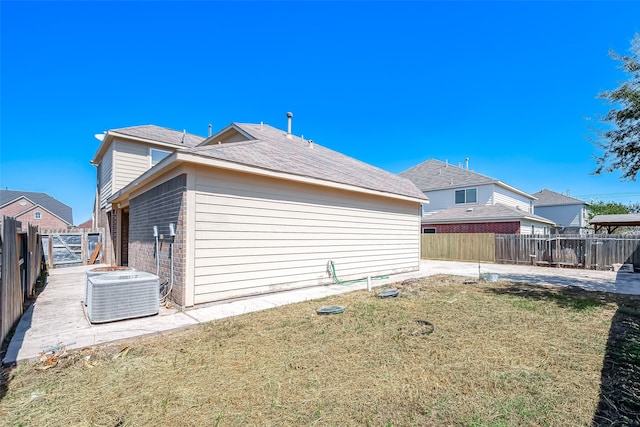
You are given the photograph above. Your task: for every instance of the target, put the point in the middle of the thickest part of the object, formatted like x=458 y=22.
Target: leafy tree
x=608 y=208
x=634 y=208
x=620 y=142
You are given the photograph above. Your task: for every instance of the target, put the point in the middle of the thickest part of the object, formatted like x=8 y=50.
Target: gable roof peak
x=433 y=174
x=269 y=148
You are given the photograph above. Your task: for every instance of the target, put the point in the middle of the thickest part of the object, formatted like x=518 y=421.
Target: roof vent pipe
x=289 y=116
x=209 y=129
x=466 y=161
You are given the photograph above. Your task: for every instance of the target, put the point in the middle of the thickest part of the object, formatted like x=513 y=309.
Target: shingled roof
x=493 y=213
x=161 y=134
x=54 y=206
x=273 y=150
x=433 y=174
x=551 y=198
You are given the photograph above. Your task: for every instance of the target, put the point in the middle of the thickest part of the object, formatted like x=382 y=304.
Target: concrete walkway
x=58 y=315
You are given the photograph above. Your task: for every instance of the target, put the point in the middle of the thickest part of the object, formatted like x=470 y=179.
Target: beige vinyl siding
x=261 y=235
x=106 y=177
x=131 y=160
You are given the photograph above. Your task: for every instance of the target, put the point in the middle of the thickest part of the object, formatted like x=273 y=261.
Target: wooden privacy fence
x=592 y=251
x=71 y=247
x=20 y=266
x=459 y=246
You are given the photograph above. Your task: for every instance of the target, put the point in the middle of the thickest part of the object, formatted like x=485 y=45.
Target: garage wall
x=258 y=235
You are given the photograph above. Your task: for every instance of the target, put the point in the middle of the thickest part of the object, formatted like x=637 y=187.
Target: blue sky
x=510 y=85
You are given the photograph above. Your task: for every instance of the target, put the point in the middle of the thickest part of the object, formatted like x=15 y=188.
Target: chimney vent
x=289 y=116
x=467 y=162
x=209 y=129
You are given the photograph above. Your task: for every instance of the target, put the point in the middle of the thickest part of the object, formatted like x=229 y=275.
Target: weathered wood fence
x=459 y=246
x=71 y=247
x=20 y=266
x=591 y=251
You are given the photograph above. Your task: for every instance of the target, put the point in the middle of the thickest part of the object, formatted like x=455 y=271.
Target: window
x=429 y=230
x=157 y=155
x=466 y=196
x=37 y=215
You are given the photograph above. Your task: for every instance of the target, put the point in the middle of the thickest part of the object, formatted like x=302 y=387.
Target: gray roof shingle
x=272 y=150
x=49 y=203
x=493 y=213
x=551 y=198
x=160 y=134
x=433 y=174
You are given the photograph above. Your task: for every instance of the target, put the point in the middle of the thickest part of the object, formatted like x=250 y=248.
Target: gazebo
x=612 y=222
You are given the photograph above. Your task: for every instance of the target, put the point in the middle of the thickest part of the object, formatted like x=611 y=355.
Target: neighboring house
x=87 y=225
x=463 y=201
x=570 y=215
x=251 y=210
x=35 y=208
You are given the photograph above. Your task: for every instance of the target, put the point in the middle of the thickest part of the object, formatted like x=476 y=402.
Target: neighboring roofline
x=488 y=182
x=566 y=199
x=14 y=200
x=36 y=206
x=484 y=180
x=177 y=158
x=545 y=205
x=425 y=220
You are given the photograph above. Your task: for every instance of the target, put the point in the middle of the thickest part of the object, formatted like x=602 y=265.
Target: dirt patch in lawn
x=442 y=352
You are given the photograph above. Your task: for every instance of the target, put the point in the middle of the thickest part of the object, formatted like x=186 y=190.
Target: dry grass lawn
x=500 y=355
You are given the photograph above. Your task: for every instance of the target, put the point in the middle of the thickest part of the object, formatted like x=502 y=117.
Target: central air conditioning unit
x=124 y=295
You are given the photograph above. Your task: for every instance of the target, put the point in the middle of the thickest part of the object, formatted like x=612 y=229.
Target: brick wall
x=15 y=207
x=46 y=221
x=125 y=238
x=27 y=215
x=479 y=227
x=160 y=206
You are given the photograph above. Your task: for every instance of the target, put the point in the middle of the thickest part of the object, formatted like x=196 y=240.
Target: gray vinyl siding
x=508 y=198
x=564 y=216
x=131 y=161
x=261 y=235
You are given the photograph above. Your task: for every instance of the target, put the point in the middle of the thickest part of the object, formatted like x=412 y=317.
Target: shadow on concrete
x=624 y=283
x=619 y=403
